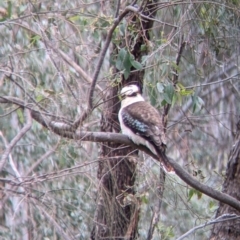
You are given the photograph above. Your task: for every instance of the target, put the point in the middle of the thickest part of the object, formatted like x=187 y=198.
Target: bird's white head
x=130 y=94
x=130 y=90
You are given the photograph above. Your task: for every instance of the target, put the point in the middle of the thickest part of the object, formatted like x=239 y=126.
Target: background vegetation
x=50 y=56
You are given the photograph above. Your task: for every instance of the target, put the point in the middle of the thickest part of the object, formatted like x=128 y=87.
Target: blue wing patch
x=134 y=124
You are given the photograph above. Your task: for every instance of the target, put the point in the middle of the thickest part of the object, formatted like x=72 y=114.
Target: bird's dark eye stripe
x=133 y=94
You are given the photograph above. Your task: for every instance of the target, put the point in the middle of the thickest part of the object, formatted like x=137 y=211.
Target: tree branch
x=16 y=139
x=59 y=128
x=40 y=160
x=73 y=64
x=223 y=218
x=53 y=222
x=157 y=209
x=97 y=70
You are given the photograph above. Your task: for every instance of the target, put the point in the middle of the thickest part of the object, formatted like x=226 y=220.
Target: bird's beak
x=121 y=96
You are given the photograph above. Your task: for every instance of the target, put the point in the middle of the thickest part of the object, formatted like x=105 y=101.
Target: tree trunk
x=118 y=208
x=230 y=229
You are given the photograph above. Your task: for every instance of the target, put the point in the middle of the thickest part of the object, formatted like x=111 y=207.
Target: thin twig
x=102 y=56
x=222 y=218
x=52 y=221
x=157 y=210
x=117 y=8
x=11 y=162
x=174 y=80
x=215 y=82
x=73 y=64
x=16 y=138
x=40 y=160
x=97 y=70
x=136 y=10
x=156 y=214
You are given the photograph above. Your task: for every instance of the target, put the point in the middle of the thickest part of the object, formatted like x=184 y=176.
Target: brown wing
x=144 y=120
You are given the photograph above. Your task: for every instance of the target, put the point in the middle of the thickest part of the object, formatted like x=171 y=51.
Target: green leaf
x=152 y=95
x=120 y=59
x=127 y=65
x=168 y=93
x=144 y=199
x=197 y=102
x=186 y=92
x=122 y=28
x=143 y=47
x=212 y=206
x=183 y=91
x=166 y=98
x=9 y=9
x=125 y=61
x=163 y=103
x=34 y=39
x=39 y=98
x=190 y=194
x=200 y=101
x=174 y=99
x=169 y=90
x=119 y=64
x=160 y=87
x=175 y=66
x=199 y=194
x=20 y=115
x=96 y=35
x=193 y=192
x=126 y=74
x=122 y=53
x=137 y=65
x=194 y=102
x=74 y=18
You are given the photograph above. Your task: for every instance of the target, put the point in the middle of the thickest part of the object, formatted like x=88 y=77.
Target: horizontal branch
x=59 y=128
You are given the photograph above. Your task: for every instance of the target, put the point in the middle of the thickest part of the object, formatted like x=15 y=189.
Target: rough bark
x=231 y=186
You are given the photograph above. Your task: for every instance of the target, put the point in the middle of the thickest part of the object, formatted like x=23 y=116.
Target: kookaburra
x=142 y=123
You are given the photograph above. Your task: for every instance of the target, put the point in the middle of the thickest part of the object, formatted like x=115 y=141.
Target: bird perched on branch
x=142 y=123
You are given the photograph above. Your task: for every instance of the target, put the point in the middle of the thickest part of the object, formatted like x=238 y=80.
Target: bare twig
x=174 y=80
x=102 y=56
x=97 y=70
x=156 y=214
x=75 y=66
x=117 y=8
x=222 y=218
x=16 y=138
x=215 y=82
x=11 y=162
x=52 y=221
x=39 y=161
x=136 y=10
x=157 y=210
